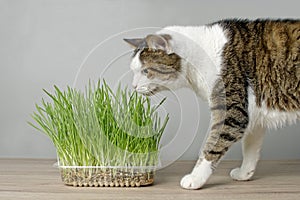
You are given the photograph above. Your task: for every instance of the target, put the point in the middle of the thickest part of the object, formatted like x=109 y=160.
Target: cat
x=247 y=70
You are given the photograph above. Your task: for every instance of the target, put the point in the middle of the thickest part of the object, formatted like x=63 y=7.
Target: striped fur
x=265 y=56
x=158 y=64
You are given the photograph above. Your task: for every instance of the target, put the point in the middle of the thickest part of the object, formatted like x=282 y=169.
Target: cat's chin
x=147 y=92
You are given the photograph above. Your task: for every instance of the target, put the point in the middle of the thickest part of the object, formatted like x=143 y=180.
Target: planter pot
x=106 y=176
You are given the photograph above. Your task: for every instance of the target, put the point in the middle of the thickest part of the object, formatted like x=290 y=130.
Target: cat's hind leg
x=252 y=143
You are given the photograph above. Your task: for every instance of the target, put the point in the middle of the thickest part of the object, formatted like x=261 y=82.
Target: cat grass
x=102 y=138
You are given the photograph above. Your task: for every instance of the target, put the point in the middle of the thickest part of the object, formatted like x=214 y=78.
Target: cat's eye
x=145 y=71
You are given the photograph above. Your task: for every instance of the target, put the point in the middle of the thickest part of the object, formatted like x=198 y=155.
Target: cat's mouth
x=147 y=91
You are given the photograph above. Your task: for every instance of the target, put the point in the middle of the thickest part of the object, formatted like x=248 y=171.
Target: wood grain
x=38 y=179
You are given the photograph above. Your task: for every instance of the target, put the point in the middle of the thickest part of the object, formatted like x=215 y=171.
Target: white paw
x=191 y=182
x=239 y=175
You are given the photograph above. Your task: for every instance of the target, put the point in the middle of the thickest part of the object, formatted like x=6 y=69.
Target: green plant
x=101 y=128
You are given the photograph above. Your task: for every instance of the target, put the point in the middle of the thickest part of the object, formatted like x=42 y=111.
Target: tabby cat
x=248 y=71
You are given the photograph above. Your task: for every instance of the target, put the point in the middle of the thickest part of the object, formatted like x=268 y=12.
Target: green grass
x=100 y=128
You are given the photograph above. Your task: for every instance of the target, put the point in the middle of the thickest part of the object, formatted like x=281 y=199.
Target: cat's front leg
x=199 y=175
x=229 y=122
x=215 y=148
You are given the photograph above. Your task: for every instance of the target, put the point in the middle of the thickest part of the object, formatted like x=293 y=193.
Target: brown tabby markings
x=263 y=55
x=159 y=64
x=268 y=52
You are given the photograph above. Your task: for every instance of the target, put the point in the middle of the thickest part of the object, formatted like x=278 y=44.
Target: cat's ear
x=159 y=42
x=136 y=42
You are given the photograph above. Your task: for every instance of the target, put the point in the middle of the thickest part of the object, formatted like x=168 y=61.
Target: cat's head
x=154 y=64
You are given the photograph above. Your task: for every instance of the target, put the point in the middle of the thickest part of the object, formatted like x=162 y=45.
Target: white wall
x=43 y=43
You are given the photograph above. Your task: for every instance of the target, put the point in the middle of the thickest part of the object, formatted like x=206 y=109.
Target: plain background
x=44 y=43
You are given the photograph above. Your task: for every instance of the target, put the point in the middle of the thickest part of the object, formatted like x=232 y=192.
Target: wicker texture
x=109 y=177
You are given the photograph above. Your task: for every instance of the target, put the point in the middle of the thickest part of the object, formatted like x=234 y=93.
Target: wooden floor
x=38 y=179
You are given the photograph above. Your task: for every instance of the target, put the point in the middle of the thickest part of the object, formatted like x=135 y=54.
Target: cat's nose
x=134 y=86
